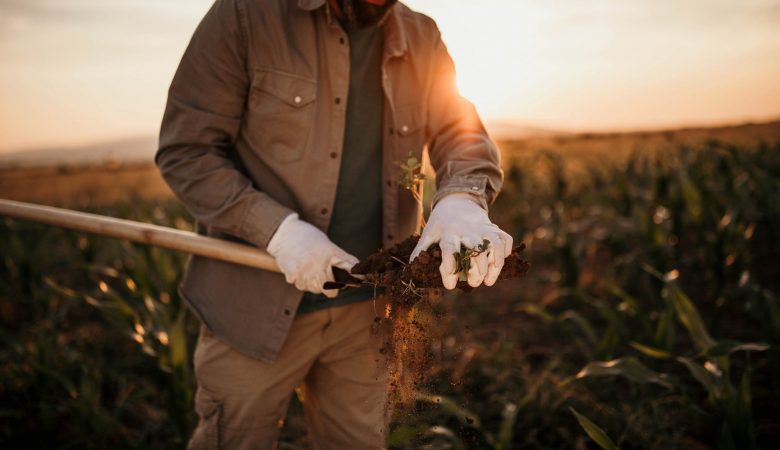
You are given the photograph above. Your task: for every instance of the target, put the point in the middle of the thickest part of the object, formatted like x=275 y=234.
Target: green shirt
x=356 y=224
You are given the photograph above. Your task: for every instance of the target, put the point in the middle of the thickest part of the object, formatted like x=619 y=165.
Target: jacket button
x=334 y=155
x=341 y=40
x=404 y=129
x=389 y=183
x=297 y=99
x=338 y=100
x=389 y=237
x=324 y=211
x=287 y=312
x=392 y=131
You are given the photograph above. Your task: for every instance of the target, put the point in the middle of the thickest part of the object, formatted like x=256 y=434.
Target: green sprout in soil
x=463 y=258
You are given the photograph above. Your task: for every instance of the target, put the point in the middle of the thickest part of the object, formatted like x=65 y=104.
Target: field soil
x=406 y=283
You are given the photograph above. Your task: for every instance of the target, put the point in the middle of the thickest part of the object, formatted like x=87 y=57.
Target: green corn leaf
x=627 y=367
x=121 y=305
x=506 y=431
x=650 y=351
x=690 y=318
x=598 y=435
x=725 y=348
x=665 y=331
x=106 y=271
x=745 y=396
x=178 y=341
x=534 y=310
x=609 y=341
x=686 y=310
x=691 y=195
x=402 y=436
x=651 y=270
x=582 y=323
x=62 y=290
x=449 y=406
x=705 y=377
x=629 y=304
x=445 y=432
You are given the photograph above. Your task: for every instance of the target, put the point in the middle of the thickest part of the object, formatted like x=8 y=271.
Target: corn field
x=649 y=319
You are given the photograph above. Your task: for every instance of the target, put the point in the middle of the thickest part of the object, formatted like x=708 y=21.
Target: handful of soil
x=405 y=282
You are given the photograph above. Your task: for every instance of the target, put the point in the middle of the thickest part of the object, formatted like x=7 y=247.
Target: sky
x=75 y=72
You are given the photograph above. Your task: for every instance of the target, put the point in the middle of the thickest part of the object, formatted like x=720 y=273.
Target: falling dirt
x=410 y=288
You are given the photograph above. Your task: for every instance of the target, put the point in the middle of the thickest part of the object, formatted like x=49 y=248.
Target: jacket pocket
x=280 y=114
x=209 y=410
x=409 y=124
x=410 y=139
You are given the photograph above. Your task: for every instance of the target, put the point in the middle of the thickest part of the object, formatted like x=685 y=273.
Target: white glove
x=456 y=220
x=306 y=255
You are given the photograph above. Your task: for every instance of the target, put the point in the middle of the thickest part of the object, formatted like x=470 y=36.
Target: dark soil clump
x=406 y=282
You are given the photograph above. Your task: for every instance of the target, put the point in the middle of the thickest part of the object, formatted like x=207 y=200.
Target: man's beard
x=358 y=14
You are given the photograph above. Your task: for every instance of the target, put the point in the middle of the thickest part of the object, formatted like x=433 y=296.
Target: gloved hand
x=306 y=255
x=457 y=219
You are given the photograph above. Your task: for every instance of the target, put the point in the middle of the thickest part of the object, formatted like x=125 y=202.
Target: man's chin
x=359 y=14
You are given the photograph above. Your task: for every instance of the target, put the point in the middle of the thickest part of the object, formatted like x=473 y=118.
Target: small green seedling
x=410 y=177
x=463 y=258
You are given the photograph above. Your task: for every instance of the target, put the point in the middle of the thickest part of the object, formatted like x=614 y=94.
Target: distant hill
x=121 y=151
x=514 y=135
x=617 y=146
x=510 y=131
x=142 y=148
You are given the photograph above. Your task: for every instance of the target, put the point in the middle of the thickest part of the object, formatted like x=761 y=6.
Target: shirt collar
x=395 y=35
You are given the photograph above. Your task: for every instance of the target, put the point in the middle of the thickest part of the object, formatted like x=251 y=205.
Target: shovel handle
x=142 y=233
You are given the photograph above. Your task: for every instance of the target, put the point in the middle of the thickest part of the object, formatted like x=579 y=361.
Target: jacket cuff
x=474 y=185
x=261 y=221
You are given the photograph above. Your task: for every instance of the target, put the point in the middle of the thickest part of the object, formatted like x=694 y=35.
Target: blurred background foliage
x=649 y=319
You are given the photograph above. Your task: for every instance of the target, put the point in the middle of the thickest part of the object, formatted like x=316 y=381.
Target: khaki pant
x=337 y=354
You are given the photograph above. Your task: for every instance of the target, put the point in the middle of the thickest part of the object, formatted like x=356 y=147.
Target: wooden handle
x=142 y=233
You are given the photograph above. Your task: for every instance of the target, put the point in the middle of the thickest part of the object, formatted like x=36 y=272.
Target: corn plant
x=651 y=319
x=84 y=318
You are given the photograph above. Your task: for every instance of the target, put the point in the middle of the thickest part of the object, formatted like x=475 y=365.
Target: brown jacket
x=253 y=131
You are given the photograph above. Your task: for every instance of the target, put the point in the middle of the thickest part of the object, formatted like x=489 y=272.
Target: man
x=284 y=125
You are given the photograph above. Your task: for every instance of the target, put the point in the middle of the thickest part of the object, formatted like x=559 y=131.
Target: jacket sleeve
x=462 y=154
x=202 y=118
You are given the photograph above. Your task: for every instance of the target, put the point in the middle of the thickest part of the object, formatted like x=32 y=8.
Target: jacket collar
x=395 y=35
x=310 y=5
